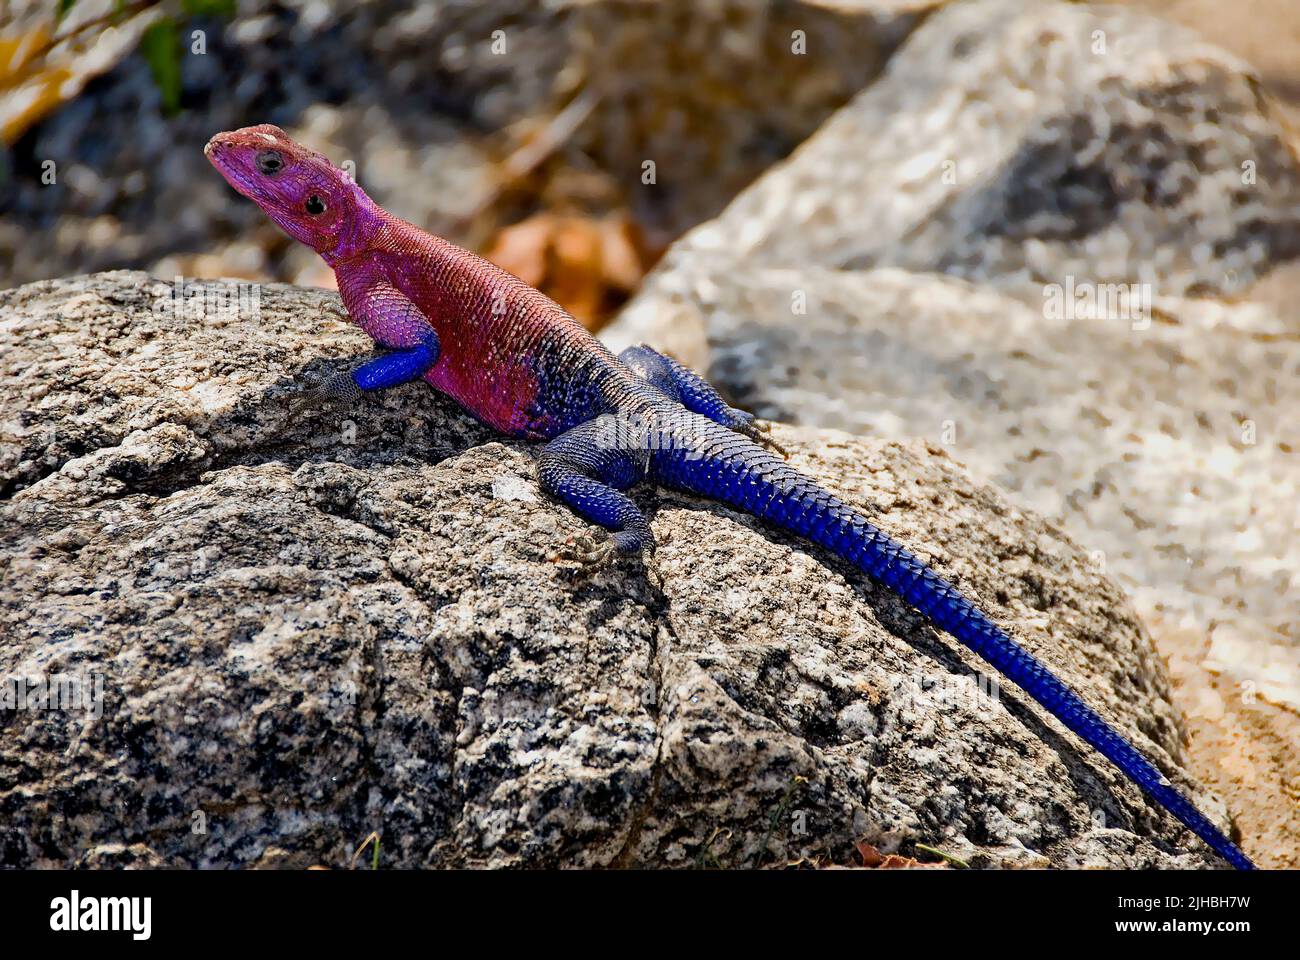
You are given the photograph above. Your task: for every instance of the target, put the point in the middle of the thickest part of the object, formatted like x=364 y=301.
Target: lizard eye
x=270 y=162
x=315 y=205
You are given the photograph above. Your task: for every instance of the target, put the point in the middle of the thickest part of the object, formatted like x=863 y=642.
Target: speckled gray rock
x=305 y=633
x=1024 y=140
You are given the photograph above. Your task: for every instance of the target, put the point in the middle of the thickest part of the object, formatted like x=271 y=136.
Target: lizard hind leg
x=587 y=470
x=679 y=382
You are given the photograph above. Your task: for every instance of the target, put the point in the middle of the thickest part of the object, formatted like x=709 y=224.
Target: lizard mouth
x=213 y=145
x=224 y=154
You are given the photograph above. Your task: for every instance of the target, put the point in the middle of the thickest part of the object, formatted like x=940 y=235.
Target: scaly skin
x=517 y=361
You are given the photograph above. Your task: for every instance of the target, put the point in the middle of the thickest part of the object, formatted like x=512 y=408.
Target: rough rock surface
x=1164 y=440
x=305 y=633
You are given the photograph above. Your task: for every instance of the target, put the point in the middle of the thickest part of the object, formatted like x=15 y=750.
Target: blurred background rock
x=521 y=129
x=516 y=127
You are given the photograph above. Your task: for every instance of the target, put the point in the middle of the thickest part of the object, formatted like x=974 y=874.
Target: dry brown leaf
x=40 y=69
x=589 y=266
x=874 y=859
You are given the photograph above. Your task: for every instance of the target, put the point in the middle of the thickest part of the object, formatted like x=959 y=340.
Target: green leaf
x=161 y=48
x=216 y=8
x=955 y=861
x=64 y=7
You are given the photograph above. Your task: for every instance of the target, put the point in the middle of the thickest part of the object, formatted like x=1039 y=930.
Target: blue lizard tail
x=710 y=460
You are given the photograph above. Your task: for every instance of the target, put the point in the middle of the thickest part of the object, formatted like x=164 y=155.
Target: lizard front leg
x=679 y=382
x=394 y=322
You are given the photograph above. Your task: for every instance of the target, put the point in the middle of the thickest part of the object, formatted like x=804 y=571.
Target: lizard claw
x=308 y=397
x=586 y=550
x=337 y=311
x=760 y=431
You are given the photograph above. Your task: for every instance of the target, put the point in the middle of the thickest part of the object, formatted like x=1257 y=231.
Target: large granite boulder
x=264 y=640
x=1168 y=449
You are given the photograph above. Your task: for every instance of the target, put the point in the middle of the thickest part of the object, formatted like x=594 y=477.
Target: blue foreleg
x=398 y=366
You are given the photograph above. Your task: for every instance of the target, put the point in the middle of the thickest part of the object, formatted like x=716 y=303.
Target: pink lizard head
x=311 y=199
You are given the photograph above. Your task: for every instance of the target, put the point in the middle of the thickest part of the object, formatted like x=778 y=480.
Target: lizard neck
x=360 y=231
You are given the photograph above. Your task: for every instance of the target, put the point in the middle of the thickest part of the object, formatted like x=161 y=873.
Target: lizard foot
x=587 y=550
x=593 y=550
x=324 y=390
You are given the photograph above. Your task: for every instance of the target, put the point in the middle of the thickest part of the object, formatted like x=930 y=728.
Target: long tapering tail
x=710 y=460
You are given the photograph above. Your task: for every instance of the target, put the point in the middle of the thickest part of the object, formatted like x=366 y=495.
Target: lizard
x=518 y=362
